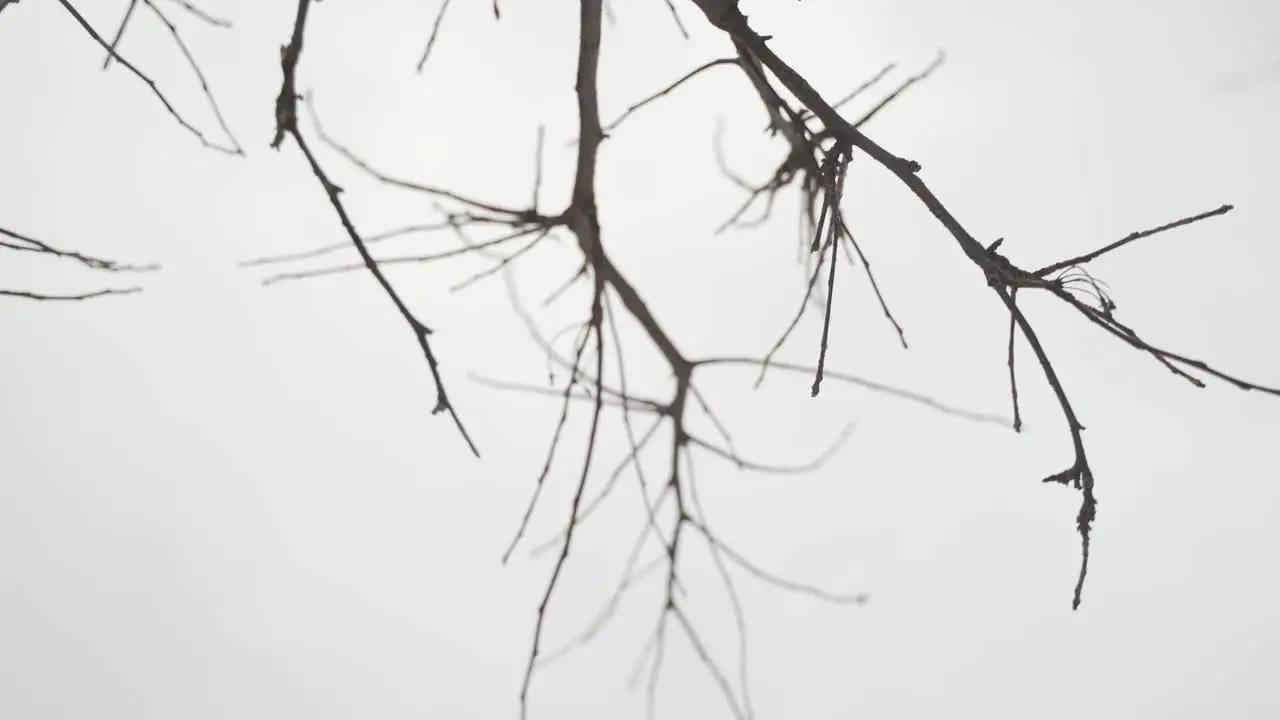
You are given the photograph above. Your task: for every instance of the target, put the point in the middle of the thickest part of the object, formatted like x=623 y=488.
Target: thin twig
x=144 y=78
x=435 y=32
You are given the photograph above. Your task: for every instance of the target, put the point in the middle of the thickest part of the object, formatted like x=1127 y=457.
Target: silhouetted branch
x=1081 y=260
x=111 y=51
x=820 y=143
x=287 y=124
x=20 y=243
x=435 y=33
x=1001 y=275
x=29 y=295
x=633 y=108
x=195 y=68
x=865 y=86
x=115 y=41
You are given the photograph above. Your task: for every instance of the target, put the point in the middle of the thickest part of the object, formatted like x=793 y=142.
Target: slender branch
x=287 y=124
x=1087 y=257
x=115 y=41
x=195 y=68
x=30 y=295
x=435 y=33
x=632 y=109
x=26 y=243
x=899 y=393
x=1000 y=274
x=155 y=90
x=21 y=243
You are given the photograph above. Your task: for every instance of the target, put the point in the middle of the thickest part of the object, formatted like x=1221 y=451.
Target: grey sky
x=221 y=500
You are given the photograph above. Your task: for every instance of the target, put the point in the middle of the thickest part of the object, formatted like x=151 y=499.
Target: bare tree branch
x=29 y=295
x=21 y=243
x=819 y=145
x=435 y=33
x=111 y=51
x=287 y=124
x=1000 y=274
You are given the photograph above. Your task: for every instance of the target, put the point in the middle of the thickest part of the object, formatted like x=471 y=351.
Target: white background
x=220 y=500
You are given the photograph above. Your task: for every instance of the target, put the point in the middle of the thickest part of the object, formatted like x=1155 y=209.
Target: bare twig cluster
x=1067 y=280
x=671 y=508
x=113 y=54
x=820 y=143
x=19 y=243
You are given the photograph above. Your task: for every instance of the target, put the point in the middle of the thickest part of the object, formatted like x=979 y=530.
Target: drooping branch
x=609 y=284
x=1000 y=274
x=287 y=125
x=820 y=144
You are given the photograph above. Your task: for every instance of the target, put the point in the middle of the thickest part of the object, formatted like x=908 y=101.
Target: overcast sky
x=219 y=500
